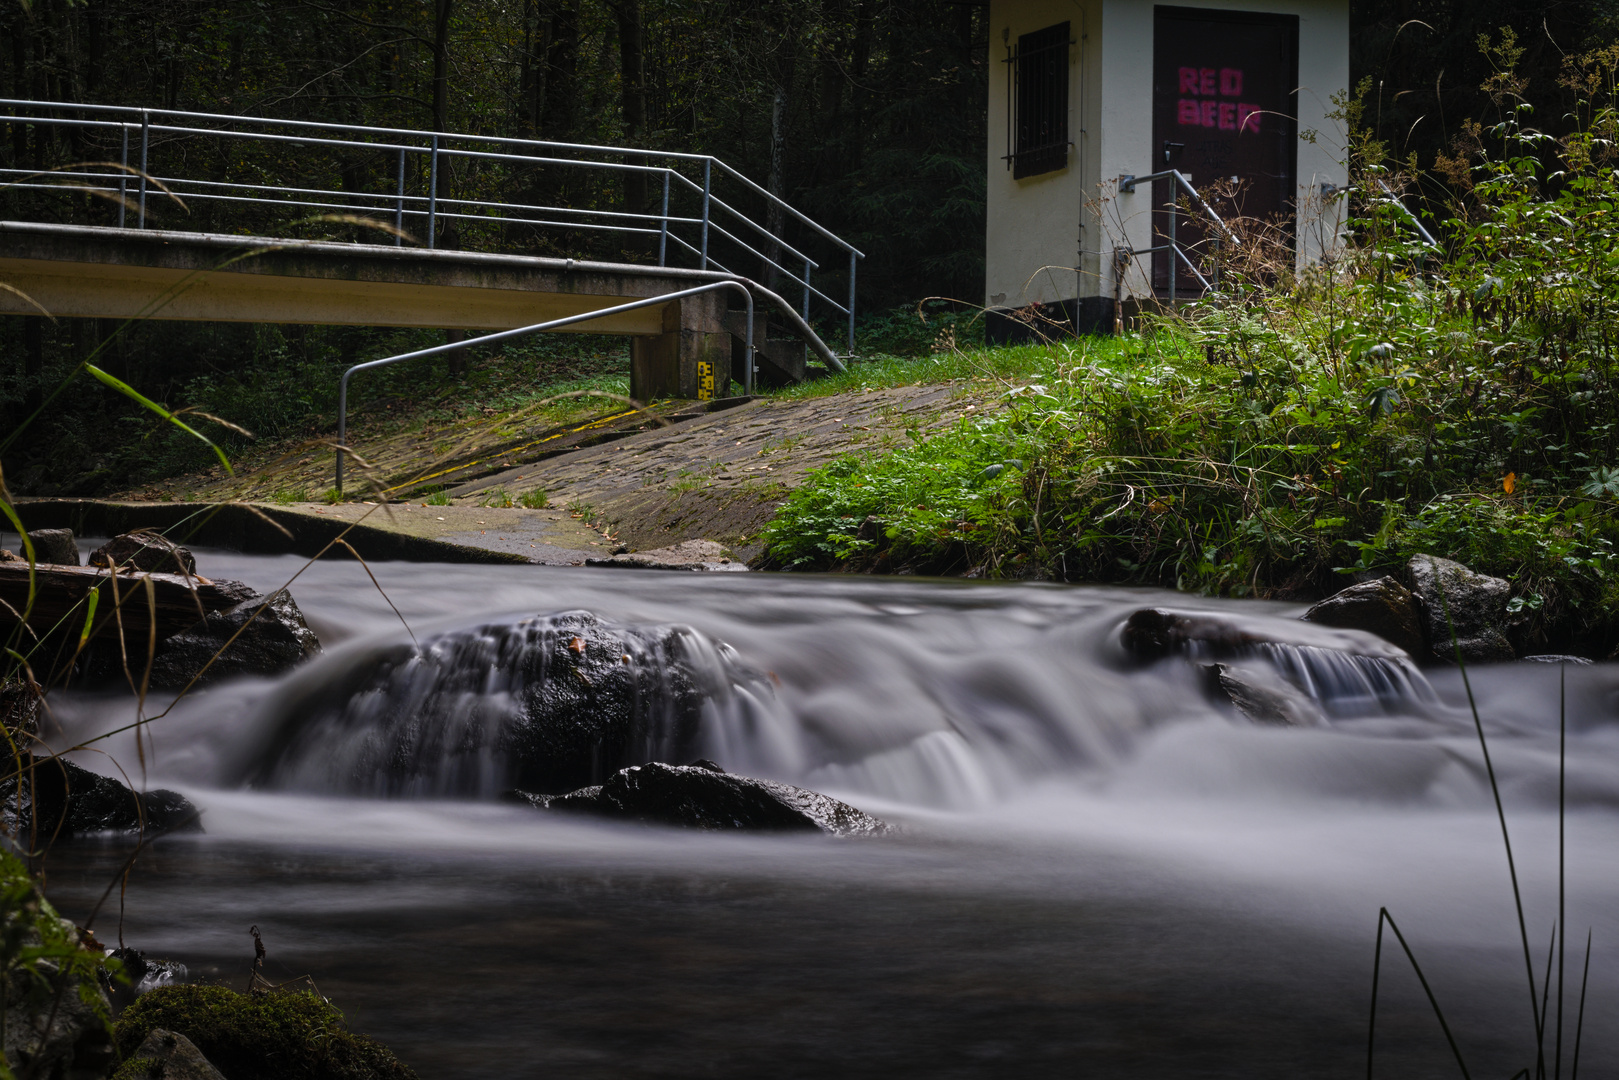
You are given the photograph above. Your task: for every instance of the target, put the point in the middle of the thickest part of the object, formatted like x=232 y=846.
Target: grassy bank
x=1294 y=428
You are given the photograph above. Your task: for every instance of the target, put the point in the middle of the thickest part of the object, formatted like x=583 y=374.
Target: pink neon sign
x=1204 y=85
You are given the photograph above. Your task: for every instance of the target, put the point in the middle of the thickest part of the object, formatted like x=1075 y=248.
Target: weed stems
x=1377 y=963
x=1579 y=1023
x=1506 y=839
x=1562 y=806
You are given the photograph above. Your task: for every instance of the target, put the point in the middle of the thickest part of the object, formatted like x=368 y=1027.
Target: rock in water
x=275 y=638
x=144 y=551
x=704 y=797
x=167 y=1055
x=1383 y=607
x=1476 y=604
x=546 y=704
x=54 y=546
x=62 y=799
x=1265 y=698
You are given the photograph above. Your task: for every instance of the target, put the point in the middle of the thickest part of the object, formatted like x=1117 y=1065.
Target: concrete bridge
x=101 y=272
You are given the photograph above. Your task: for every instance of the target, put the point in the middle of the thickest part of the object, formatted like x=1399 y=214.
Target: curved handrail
x=551 y=324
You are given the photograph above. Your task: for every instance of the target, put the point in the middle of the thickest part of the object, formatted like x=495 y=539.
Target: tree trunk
x=441 y=108
x=561 y=72
x=33 y=338
x=775 y=218
x=632 y=70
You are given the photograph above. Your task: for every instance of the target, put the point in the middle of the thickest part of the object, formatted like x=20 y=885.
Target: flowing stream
x=1101 y=869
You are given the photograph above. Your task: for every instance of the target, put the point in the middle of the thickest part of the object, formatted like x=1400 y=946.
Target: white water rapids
x=1101 y=868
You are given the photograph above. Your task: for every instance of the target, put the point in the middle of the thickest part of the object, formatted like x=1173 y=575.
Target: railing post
x=853 y=258
x=123 y=176
x=1174 y=247
x=399 y=204
x=432 y=194
x=708 y=176
x=663 y=232
x=807 y=265
x=146 y=142
x=342 y=425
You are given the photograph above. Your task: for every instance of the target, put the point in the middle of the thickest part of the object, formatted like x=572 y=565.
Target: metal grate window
x=1037 y=97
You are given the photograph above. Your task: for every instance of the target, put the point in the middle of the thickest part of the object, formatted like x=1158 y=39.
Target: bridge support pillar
x=690 y=359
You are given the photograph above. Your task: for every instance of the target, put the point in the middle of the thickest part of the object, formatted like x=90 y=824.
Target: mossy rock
x=138 y=1069
x=277 y=1036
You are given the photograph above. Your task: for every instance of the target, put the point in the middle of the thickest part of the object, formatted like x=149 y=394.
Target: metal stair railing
x=1121 y=256
x=552 y=324
x=692 y=218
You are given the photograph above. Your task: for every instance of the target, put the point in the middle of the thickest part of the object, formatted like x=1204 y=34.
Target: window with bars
x=1037 y=96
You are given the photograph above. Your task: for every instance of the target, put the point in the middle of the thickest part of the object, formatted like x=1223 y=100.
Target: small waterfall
x=1349 y=684
x=546 y=704
x=1341 y=672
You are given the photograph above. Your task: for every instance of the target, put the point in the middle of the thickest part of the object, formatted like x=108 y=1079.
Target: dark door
x=1224 y=105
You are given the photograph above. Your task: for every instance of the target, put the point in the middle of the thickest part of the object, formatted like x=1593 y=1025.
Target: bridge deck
x=98 y=272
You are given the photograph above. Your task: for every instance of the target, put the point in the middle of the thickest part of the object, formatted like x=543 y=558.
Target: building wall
x=1040 y=221
x=1076 y=217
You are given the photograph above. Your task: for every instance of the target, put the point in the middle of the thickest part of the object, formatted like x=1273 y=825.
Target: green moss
x=285 y=1036
x=138 y=1069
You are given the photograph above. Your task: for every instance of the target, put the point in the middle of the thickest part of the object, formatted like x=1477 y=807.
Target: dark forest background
x=869 y=115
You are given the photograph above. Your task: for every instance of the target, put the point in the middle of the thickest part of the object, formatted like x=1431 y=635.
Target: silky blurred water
x=1099 y=869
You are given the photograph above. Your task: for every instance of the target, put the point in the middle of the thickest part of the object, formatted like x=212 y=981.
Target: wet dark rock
x=55 y=546
x=1383 y=607
x=1553 y=658
x=19 y=708
x=705 y=797
x=1151 y=633
x=274 y=637
x=1476 y=605
x=1264 y=697
x=167 y=1055
x=64 y=800
x=144 y=551
x=546 y=705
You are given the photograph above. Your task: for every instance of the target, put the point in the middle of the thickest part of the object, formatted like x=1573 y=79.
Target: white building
x=1089 y=91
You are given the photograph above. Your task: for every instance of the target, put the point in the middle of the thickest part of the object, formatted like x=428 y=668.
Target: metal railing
x=553 y=324
x=1181 y=185
x=436 y=181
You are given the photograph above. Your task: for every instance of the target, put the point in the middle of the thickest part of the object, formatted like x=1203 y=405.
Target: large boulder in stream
x=264 y=635
x=62 y=800
x=547 y=704
x=1383 y=607
x=1472 y=605
x=704 y=796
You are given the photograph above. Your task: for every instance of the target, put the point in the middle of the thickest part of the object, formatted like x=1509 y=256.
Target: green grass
x=438 y=497
x=534 y=499
x=882 y=371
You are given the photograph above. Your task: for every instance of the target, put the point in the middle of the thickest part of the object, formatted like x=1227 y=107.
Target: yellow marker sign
x=705 y=381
